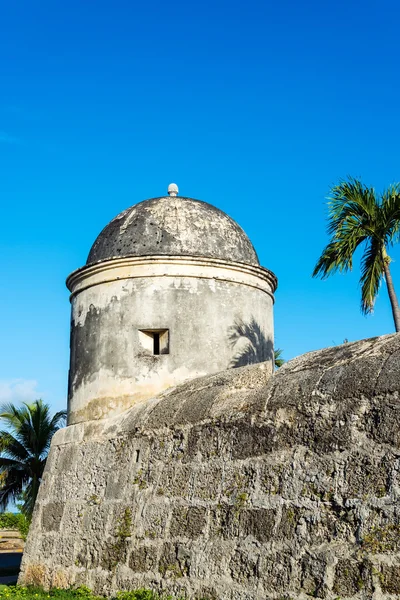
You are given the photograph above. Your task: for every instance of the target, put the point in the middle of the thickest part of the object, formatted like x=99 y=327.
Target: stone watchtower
x=172 y=289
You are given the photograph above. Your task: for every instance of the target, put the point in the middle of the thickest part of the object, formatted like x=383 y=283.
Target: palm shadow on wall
x=249 y=343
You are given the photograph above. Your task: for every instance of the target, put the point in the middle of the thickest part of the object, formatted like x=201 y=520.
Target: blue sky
x=256 y=107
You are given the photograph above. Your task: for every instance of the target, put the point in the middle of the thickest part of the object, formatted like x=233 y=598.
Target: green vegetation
x=33 y=593
x=143 y=595
x=24 y=446
x=358 y=217
x=382 y=539
x=122 y=533
x=17 y=521
x=139 y=480
x=81 y=593
x=125 y=525
x=278 y=358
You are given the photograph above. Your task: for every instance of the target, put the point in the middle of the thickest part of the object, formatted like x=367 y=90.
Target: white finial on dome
x=173 y=189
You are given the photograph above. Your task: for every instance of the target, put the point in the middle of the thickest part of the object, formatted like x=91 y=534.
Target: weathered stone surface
x=214 y=316
x=352 y=577
x=152 y=227
x=390 y=579
x=51 y=518
x=143 y=559
x=235 y=487
x=188 y=522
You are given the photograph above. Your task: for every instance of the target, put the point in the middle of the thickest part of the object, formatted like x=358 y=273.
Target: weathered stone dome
x=173 y=225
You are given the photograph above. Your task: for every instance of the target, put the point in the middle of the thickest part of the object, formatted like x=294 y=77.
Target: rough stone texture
x=176 y=226
x=235 y=486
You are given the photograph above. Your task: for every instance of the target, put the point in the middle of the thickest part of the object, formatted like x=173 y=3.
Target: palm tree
x=278 y=359
x=24 y=447
x=357 y=216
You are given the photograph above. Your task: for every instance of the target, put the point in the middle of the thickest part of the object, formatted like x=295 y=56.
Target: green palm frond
x=16 y=478
x=24 y=446
x=357 y=217
x=14 y=416
x=30 y=495
x=350 y=203
x=338 y=254
x=390 y=208
x=372 y=268
x=10 y=445
x=278 y=358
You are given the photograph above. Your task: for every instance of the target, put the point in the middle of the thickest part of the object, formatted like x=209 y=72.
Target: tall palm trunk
x=392 y=294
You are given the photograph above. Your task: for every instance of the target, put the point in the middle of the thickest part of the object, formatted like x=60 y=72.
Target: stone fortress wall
x=235 y=486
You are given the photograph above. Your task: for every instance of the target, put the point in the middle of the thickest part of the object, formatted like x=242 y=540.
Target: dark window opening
x=156 y=344
x=154 y=341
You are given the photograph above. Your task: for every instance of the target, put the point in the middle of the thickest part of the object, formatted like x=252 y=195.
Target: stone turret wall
x=213 y=316
x=235 y=486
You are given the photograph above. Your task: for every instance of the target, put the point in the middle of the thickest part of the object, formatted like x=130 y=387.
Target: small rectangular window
x=155 y=341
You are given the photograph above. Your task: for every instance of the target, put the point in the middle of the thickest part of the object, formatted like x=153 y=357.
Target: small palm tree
x=24 y=447
x=358 y=217
x=278 y=358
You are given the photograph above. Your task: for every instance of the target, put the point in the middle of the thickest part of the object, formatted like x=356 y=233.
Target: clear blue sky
x=257 y=107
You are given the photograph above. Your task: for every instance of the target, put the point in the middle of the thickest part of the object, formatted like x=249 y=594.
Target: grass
x=82 y=593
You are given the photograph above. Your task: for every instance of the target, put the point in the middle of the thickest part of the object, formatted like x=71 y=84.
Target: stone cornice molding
x=132 y=267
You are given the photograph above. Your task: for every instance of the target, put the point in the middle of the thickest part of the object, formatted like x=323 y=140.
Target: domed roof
x=176 y=226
